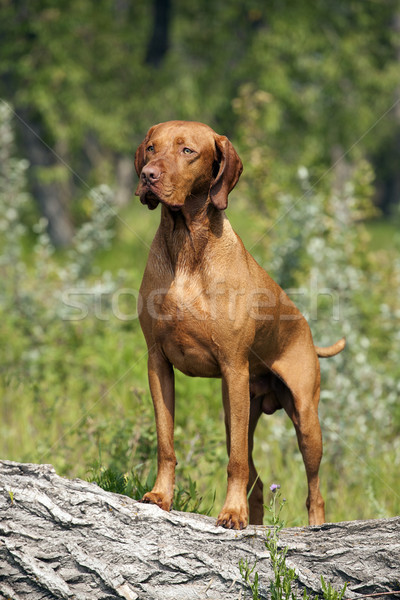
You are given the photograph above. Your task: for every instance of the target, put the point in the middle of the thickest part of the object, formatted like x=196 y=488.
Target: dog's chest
x=183 y=317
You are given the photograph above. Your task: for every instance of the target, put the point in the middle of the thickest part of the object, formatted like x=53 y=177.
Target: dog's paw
x=157 y=498
x=233 y=519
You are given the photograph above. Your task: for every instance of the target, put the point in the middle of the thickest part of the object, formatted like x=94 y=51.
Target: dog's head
x=182 y=159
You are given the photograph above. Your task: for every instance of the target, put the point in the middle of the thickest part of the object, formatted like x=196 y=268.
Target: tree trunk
x=386 y=161
x=51 y=196
x=158 y=44
x=70 y=539
x=125 y=171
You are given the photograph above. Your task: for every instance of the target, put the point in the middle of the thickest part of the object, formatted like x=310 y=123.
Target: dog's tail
x=331 y=350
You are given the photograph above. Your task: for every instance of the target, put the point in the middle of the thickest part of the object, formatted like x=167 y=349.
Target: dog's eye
x=150 y=148
x=187 y=151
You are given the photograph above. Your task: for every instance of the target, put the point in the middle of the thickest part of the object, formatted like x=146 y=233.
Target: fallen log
x=63 y=538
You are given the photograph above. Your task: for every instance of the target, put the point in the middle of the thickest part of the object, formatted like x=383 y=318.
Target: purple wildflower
x=274 y=487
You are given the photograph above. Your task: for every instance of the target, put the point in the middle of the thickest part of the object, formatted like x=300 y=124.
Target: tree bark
x=70 y=539
x=159 y=41
x=50 y=196
x=125 y=172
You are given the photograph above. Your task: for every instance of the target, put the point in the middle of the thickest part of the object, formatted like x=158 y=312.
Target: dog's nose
x=150 y=173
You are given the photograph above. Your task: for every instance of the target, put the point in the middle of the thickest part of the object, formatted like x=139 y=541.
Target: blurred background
x=309 y=93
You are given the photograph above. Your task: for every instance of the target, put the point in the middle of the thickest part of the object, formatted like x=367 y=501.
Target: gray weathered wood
x=63 y=538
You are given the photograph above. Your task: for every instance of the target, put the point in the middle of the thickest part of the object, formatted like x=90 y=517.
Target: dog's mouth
x=151 y=199
x=147 y=196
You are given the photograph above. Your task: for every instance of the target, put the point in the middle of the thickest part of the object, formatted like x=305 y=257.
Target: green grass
x=134 y=485
x=384 y=234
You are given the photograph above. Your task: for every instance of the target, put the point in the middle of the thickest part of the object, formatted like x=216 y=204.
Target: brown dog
x=211 y=311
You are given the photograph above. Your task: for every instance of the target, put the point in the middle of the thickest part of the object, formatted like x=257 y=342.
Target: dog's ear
x=140 y=156
x=229 y=168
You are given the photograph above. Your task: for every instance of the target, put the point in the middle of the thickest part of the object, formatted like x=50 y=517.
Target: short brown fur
x=211 y=311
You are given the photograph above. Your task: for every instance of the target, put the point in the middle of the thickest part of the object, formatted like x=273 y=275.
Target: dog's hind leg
x=301 y=404
x=255 y=485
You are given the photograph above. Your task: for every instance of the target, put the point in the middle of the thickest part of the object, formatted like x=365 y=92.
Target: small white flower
x=11 y=214
x=302 y=173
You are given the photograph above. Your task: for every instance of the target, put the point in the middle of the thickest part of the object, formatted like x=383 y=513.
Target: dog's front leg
x=161 y=380
x=236 y=397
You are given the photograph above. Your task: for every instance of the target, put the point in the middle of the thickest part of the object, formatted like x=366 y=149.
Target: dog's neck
x=187 y=232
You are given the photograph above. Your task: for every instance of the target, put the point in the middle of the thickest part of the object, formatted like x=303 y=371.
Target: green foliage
x=128 y=484
x=186 y=495
x=281 y=588
x=323 y=83
x=330 y=593
x=322 y=77
x=251 y=580
x=187 y=499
